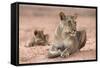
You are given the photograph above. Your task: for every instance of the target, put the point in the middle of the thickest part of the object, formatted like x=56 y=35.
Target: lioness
x=67 y=39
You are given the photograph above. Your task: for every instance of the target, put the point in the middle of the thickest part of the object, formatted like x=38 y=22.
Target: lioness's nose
x=69 y=21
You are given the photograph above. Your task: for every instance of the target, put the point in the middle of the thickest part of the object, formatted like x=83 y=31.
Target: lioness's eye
x=69 y=21
x=75 y=22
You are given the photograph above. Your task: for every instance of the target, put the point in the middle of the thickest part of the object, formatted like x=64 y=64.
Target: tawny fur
x=39 y=39
x=68 y=39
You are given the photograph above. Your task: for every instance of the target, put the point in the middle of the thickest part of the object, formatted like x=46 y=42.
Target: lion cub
x=39 y=38
x=67 y=39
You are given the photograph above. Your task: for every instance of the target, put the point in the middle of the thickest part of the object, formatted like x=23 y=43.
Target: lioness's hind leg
x=81 y=35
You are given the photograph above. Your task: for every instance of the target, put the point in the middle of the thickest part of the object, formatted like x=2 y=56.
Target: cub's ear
x=62 y=16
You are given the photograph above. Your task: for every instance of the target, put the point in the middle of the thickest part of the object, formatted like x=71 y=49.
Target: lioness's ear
x=62 y=16
x=35 y=32
x=75 y=16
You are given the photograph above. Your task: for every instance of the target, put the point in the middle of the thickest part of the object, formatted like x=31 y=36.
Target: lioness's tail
x=82 y=38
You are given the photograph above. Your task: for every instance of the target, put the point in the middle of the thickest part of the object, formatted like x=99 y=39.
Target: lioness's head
x=68 y=23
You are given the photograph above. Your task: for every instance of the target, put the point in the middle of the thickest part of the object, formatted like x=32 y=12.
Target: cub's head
x=68 y=23
x=38 y=33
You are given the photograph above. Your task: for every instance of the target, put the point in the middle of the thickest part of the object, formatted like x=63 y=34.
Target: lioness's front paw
x=63 y=55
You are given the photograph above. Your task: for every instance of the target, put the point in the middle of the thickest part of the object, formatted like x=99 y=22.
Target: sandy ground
x=37 y=54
